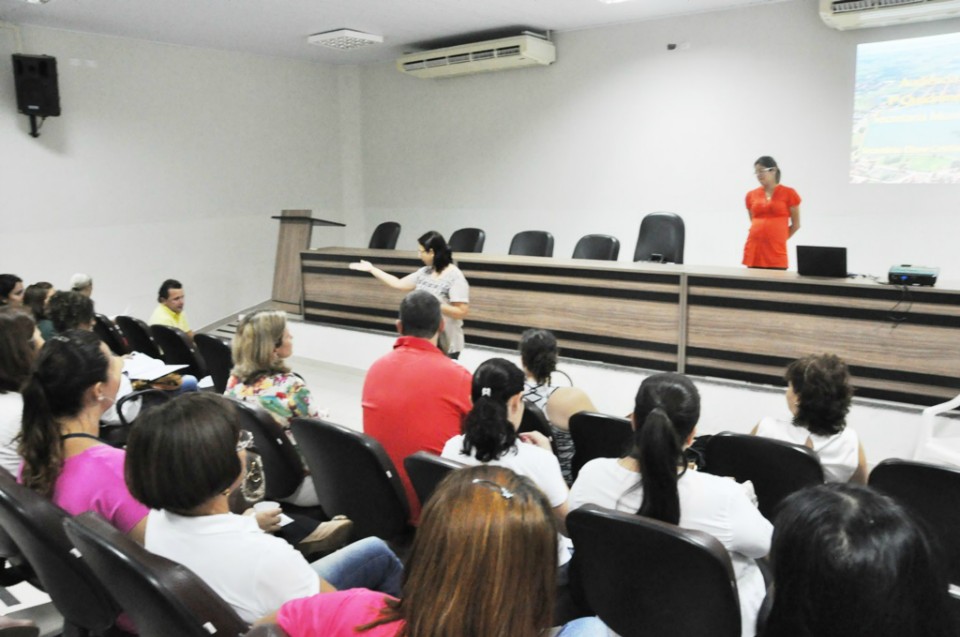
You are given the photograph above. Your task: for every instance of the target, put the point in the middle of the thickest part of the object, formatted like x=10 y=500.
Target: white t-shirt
x=839 y=454
x=712 y=504
x=11 y=414
x=450 y=287
x=253 y=571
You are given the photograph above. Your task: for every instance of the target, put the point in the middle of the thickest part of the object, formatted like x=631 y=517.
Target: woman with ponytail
x=654 y=480
x=490 y=436
x=74 y=380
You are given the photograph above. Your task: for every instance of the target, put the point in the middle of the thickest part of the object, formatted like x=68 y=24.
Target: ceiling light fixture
x=344 y=39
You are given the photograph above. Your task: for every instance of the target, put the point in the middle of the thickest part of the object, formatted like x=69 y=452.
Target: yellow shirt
x=165 y=316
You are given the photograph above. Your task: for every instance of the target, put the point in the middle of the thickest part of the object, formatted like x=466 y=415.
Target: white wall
x=166 y=161
x=620 y=127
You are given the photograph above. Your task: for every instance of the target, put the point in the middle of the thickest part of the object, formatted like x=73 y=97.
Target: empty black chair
x=282 y=467
x=776 y=468
x=354 y=477
x=139 y=338
x=933 y=493
x=602 y=247
x=598 y=436
x=385 y=236
x=216 y=354
x=36 y=526
x=467 y=240
x=110 y=334
x=661 y=238
x=644 y=577
x=426 y=470
x=178 y=350
x=163 y=598
x=532 y=243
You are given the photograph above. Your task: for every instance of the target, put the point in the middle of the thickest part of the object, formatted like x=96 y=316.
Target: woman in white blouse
x=653 y=480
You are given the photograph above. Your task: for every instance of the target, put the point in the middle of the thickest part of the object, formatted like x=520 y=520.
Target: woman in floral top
x=260 y=348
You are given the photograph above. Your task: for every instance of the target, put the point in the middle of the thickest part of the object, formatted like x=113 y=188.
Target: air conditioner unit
x=492 y=55
x=860 y=14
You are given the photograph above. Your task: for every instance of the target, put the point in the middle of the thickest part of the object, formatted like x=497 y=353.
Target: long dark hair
x=666 y=410
x=850 y=562
x=538 y=351
x=487 y=433
x=17 y=349
x=35 y=297
x=7 y=283
x=67 y=366
x=442 y=257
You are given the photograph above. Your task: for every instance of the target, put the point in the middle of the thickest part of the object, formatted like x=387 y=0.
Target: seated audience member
x=818 y=396
x=260 y=374
x=35 y=298
x=11 y=290
x=850 y=562
x=19 y=343
x=82 y=283
x=414 y=398
x=503 y=586
x=191 y=522
x=490 y=437
x=74 y=381
x=654 y=481
x=538 y=353
x=169 y=312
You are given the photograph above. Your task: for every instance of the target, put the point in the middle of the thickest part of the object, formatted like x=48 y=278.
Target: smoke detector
x=344 y=39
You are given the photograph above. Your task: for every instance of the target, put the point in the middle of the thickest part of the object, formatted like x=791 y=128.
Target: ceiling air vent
x=494 y=55
x=861 y=14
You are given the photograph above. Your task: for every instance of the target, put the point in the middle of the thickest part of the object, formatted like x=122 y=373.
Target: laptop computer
x=821 y=261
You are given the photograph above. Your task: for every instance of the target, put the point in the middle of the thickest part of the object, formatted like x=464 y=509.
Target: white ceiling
x=280 y=27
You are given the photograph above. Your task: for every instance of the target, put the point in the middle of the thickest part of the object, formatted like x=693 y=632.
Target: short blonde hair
x=258 y=336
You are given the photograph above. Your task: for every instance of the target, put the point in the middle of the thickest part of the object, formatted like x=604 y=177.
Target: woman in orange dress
x=774 y=212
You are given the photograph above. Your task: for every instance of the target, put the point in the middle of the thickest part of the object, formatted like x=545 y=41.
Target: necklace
x=80 y=435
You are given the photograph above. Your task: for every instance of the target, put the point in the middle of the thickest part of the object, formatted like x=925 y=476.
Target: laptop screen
x=821 y=261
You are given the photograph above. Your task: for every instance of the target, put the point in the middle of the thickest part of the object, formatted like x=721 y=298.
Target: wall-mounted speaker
x=35 y=77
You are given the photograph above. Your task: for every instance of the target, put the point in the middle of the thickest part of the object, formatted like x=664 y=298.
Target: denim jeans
x=368 y=563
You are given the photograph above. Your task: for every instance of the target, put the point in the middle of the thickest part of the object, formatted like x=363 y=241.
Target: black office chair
x=932 y=492
x=139 y=338
x=216 y=354
x=661 y=238
x=598 y=436
x=110 y=334
x=354 y=477
x=643 y=577
x=776 y=468
x=535 y=420
x=385 y=236
x=36 y=526
x=178 y=350
x=426 y=471
x=162 y=598
x=467 y=240
x=10 y=627
x=601 y=247
x=532 y=243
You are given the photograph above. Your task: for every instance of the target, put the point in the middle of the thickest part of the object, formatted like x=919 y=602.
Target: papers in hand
x=142 y=367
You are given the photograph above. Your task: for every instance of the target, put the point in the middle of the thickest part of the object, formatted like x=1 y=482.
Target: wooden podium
x=294 y=237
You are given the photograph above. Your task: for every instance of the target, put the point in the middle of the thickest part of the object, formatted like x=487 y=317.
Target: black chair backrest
x=216 y=354
x=535 y=420
x=532 y=243
x=643 y=577
x=282 y=467
x=661 y=238
x=776 y=468
x=598 y=436
x=354 y=477
x=597 y=246
x=110 y=334
x=178 y=350
x=139 y=338
x=426 y=470
x=467 y=240
x=266 y=630
x=385 y=236
x=932 y=492
x=36 y=526
x=162 y=598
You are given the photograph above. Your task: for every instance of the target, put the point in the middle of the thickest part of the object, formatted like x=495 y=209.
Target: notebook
x=821 y=261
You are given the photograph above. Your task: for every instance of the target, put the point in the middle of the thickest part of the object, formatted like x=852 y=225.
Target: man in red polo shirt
x=414 y=397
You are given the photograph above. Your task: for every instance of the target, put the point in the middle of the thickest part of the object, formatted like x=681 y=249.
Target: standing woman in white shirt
x=654 y=480
x=818 y=397
x=440 y=277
